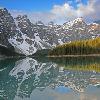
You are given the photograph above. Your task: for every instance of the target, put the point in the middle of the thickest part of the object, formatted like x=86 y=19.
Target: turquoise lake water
x=68 y=78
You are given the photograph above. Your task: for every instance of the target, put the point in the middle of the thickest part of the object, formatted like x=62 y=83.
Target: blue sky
x=35 y=5
x=58 y=11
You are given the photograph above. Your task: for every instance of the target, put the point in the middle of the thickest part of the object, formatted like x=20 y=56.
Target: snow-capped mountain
x=26 y=45
x=28 y=37
x=7 y=27
x=20 y=34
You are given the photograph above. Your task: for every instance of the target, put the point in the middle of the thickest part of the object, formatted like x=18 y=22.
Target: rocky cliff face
x=27 y=38
x=19 y=33
x=7 y=27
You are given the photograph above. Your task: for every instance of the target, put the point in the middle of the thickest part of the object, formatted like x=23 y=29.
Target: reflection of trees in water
x=79 y=63
x=29 y=74
x=78 y=72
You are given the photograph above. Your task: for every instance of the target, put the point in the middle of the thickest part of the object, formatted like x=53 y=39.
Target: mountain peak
x=27 y=37
x=79 y=19
x=76 y=22
x=3 y=9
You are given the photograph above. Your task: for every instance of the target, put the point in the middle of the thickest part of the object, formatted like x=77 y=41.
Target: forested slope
x=91 y=46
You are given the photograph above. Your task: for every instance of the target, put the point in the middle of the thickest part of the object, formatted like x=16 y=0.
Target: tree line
x=81 y=47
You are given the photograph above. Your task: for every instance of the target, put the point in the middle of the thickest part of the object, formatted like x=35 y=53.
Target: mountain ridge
x=27 y=37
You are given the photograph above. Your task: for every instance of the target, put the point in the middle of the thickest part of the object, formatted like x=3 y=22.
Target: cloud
x=91 y=10
x=65 y=12
x=34 y=16
x=84 y=10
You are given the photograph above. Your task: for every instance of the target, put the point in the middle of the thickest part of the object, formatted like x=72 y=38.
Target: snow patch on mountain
x=3 y=45
x=26 y=45
x=27 y=37
x=70 y=24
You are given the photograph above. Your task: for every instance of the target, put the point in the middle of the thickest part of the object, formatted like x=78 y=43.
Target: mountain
x=5 y=51
x=41 y=53
x=6 y=26
x=27 y=37
x=20 y=34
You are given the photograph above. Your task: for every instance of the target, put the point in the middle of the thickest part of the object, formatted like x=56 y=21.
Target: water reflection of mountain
x=22 y=77
x=8 y=84
x=27 y=75
x=78 y=72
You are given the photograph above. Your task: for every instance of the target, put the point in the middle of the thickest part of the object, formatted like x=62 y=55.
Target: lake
x=70 y=78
